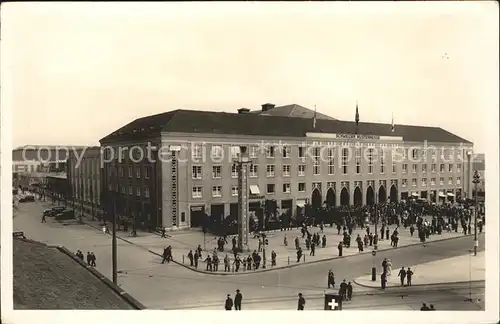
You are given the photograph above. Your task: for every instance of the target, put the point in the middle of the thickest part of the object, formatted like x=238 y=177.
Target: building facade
x=294 y=161
x=84 y=175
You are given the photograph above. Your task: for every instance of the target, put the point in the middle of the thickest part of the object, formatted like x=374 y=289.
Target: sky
x=75 y=72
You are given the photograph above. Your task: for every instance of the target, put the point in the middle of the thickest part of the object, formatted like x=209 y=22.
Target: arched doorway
x=344 y=197
x=316 y=199
x=382 y=195
x=330 y=198
x=394 y=194
x=370 y=196
x=358 y=199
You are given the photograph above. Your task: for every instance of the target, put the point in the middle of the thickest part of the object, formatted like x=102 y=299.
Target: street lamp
x=375 y=246
x=475 y=181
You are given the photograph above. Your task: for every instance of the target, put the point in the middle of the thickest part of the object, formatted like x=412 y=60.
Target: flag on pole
x=314 y=118
x=392 y=123
x=357 y=117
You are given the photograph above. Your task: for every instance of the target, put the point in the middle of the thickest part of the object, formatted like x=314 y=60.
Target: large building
x=294 y=161
x=84 y=176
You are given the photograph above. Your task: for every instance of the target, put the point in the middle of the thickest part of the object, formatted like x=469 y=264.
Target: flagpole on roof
x=357 y=117
x=392 y=123
x=314 y=118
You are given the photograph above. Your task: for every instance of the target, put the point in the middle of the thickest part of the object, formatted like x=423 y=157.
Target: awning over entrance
x=254 y=190
x=415 y=194
x=301 y=203
x=441 y=194
x=450 y=194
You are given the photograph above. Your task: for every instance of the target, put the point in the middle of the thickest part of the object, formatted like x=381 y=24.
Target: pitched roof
x=45 y=278
x=192 y=121
x=293 y=110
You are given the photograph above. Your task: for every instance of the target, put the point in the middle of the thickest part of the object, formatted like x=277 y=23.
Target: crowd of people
x=90 y=258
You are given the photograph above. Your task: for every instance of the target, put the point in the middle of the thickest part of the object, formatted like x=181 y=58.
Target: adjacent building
x=84 y=176
x=191 y=169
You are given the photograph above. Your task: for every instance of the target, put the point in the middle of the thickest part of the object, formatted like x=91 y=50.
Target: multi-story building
x=191 y=169
x=84 y=174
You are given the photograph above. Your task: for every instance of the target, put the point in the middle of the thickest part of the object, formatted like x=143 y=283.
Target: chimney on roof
x=267 y=106
x=243 y=111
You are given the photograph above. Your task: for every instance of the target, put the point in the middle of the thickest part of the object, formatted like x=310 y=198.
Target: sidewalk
x=185 y=240
x=457 y=269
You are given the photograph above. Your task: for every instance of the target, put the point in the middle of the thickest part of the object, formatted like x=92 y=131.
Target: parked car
x=27 y=198
x=48 y=212
x=58 y=209
x=65 y=215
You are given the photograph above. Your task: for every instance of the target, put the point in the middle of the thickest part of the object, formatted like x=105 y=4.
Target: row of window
x=217 y=151
x=423 y=182
x=144 y=192
x=197 y=170
x=197 y=191
x=138 y=171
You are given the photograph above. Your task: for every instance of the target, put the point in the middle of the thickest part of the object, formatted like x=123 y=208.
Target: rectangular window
x=424 y=168
x=217 y=191
x=147 y=171
x=414 y=168
x=138 y=191
x=316 y=161
x=235 y=152
x=216 y=171
x=197 y=192
x=382 y=162
x=196 y=153
x=459 y=168
x=424 y=155
x=345 y=160
x=129 y=190
x=450 y=180
x=414 y=154
x=234 y=191
x=433 y=167
x=441 y=181
x=253 y=151
x=433 y=154
x=331 y=167
x=433 y=181
x=404 y=168
x=414 y=182
x=217 y=152
x=270 y=151
x=130 y=171
x=302 y=170
x=404 y=183
x=358 y=160
x=254 y=170
x=286 y=152
x=459 y=180
x=122 y=171
x=286 y=170
x=286 y=188
x=146 y=192
x=270 y=170
x=424 y=182
x=302 y=151
x=197 y=172
x=450 y=167
x=441 y=168
x=301 y=187
x=234 y=171
x=270 y=188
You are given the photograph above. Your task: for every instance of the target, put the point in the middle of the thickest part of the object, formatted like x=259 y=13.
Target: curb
x=123 y=294
x=419 y=285
x=280 y=267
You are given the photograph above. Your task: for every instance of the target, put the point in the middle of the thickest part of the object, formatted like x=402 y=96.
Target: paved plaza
x=185 y=240
x=171 y=286
x=462 y=268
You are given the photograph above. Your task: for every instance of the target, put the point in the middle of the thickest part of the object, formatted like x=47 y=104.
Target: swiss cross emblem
x=333 y=302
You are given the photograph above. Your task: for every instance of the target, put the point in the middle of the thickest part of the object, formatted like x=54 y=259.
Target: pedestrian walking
x=229 y=301
x=402 y=275
x=331 y=279
x=43 y=219
x=409 y=274
x=191 y=257
x=301 y=302
x=383 y=280
x=92 y=259
x=237 y=300
x=340 y=247
x=349 y=291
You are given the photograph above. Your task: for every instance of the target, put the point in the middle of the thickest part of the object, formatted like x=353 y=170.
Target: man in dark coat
x=190 y=257
x=237 y=300
x=340 y=247
x=299 y=254
x=331 y=279
x=343 y=290
x=301 y=302
x=402 y=275
x=229 y=302
x=196 y=257
x=349 y=291
x=383 y=280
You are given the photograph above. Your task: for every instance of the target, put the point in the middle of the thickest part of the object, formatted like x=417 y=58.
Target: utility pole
x=475 y=181
x=375 y=246
x=113 y=244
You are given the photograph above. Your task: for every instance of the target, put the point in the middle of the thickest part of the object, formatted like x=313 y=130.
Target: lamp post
x=375 y=246
x=242 y=161
x=475 y=181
